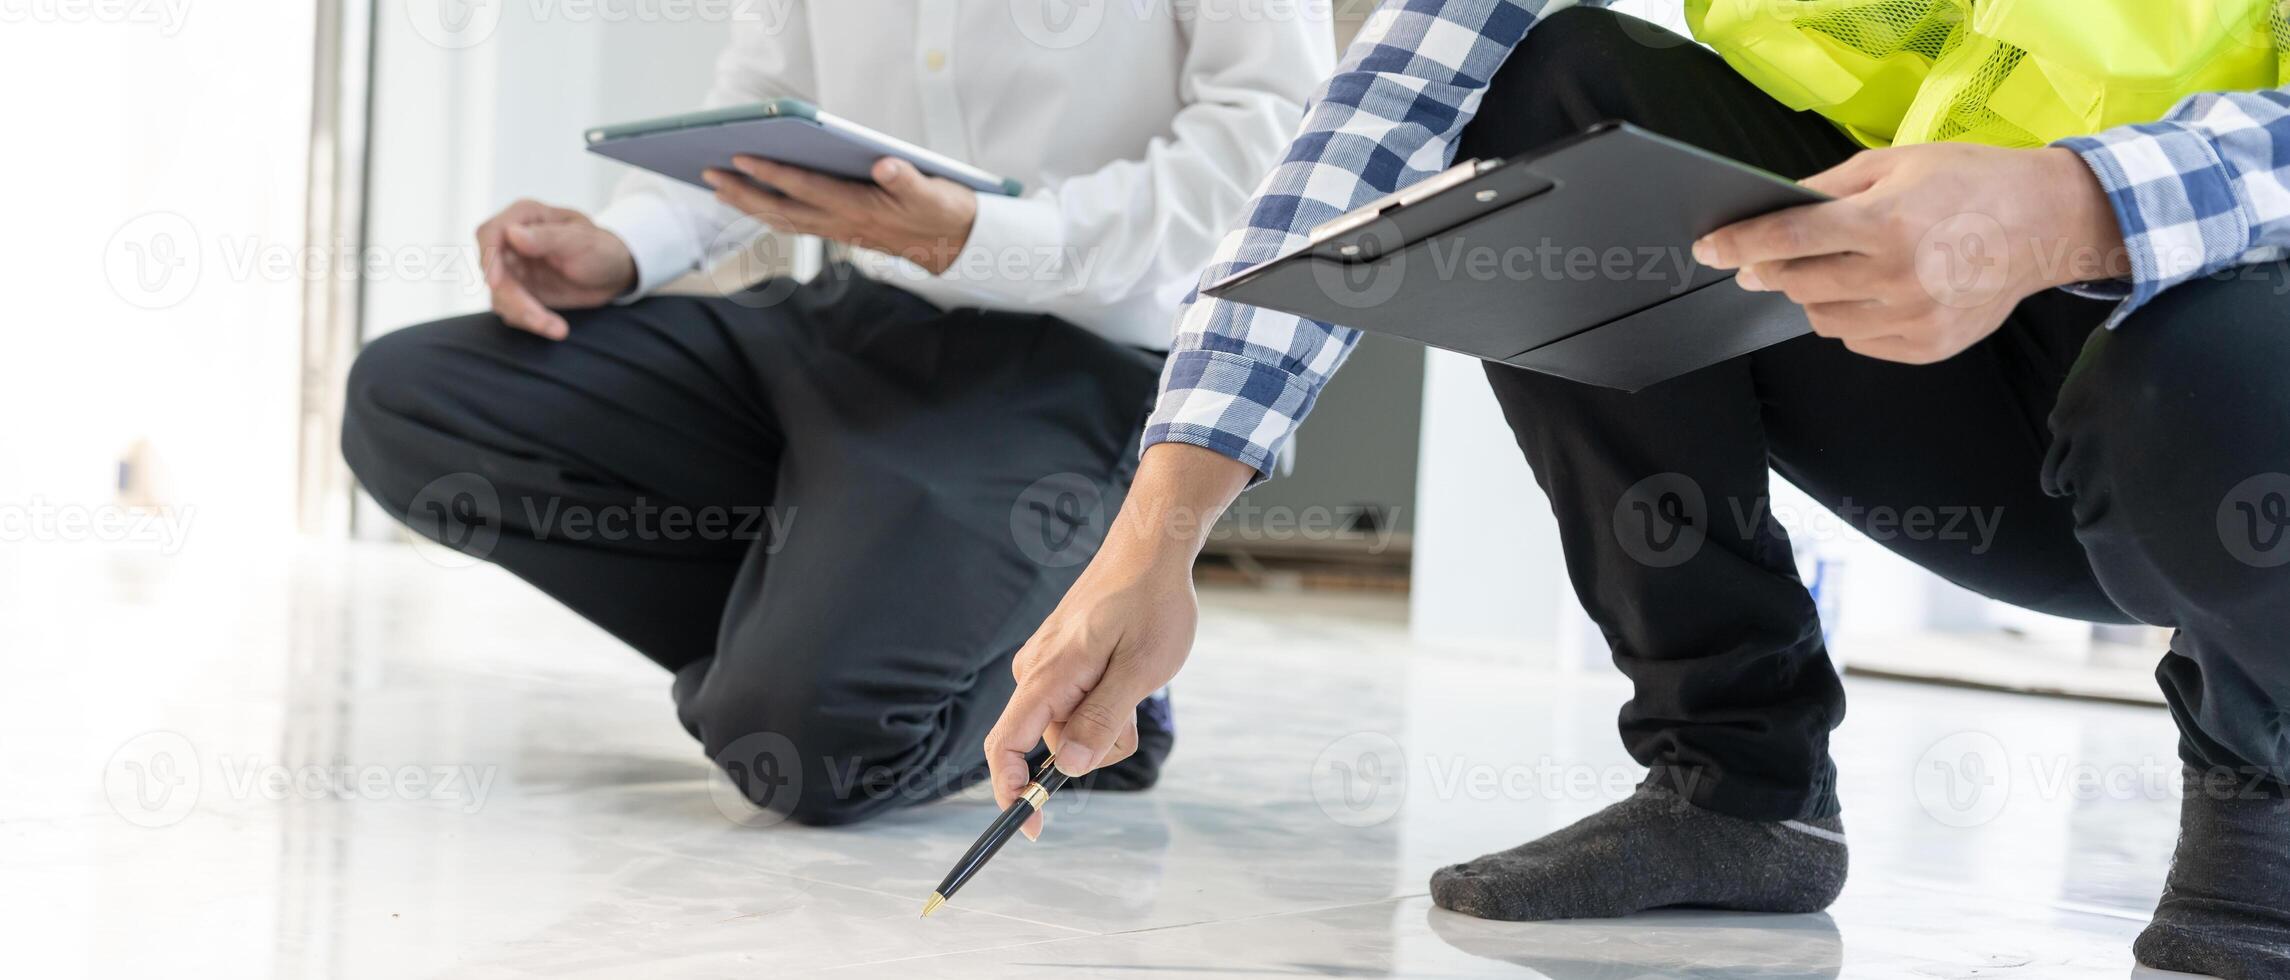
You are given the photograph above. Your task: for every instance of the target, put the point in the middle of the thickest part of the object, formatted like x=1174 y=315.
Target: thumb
x=896 y=176
x=1089 y=731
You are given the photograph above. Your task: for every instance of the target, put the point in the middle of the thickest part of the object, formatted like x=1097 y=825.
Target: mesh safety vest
x=2002 y=72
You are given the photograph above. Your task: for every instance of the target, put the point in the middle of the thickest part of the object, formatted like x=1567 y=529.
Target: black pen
x=1030 y=800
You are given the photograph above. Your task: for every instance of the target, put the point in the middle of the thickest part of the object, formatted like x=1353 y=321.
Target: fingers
x=1029 y=713
x=1802 y=232
x=547 y=242
x=804 y=186
x=1821 y=279
x=771 y=207
x=1795 y=233
x=1087 y=737
x=517 y=307
x=497 y=250
x=491 y=244
x=1124 y=746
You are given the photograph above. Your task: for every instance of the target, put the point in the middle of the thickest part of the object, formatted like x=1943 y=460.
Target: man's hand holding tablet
x=924 y=220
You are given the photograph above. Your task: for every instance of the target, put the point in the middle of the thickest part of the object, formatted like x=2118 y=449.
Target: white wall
x=153 y=198
x=1487 y=569
x=466 y=122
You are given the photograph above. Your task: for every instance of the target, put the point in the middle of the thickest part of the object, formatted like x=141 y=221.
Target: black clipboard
x=1575 y=261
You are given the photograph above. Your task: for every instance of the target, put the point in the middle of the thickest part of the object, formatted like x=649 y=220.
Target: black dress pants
x=834 y=511
x=2113 y=476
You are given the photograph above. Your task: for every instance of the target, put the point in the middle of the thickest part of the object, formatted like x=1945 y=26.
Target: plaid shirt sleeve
x=2203 y=190
x=1239 y=378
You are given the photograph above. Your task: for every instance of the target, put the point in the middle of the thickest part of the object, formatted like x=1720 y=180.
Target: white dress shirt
x=1139 y=128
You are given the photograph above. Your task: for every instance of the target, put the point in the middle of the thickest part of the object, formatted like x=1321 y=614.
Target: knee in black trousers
x=846 y=657
x=395 y=362
x=816 y=750
x=2172 y=437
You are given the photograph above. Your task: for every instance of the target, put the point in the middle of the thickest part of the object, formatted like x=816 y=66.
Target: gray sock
x=2226 y=907
x=1650 y=851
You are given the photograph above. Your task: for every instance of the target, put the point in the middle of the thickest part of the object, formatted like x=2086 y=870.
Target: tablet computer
x=789 y=131
x=1575 y=261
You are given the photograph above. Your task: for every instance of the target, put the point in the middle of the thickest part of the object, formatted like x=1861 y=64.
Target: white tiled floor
x=156 y=716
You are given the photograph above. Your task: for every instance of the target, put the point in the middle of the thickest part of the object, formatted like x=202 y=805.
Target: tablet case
x=1575 y=262
x=787 y=130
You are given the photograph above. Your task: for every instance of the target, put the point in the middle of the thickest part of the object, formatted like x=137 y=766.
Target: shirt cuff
x=657 y=238
x=1230 y=404
x=2177 y=205
x=1007 y=240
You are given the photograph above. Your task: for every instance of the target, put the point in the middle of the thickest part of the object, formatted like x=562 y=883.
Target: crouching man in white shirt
x=835 y=509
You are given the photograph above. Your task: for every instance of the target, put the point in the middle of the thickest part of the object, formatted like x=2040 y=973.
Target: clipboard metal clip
x=1365 y=214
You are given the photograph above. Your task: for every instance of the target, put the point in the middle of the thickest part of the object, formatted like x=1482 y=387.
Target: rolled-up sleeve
x=2203 y=190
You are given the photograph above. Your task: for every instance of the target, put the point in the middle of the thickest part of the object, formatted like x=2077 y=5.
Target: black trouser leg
x=644 y=407
x=934 y=482
x=1661 y=495
x=2172 y=439
x=1734 y=696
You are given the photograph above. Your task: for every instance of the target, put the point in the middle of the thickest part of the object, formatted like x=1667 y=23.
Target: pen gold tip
x=936 y=900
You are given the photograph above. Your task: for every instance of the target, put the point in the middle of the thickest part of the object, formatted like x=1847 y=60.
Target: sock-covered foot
x=1650 y=851
x=2226 y=907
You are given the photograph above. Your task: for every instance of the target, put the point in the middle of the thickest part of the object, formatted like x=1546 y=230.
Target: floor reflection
x=587 y=841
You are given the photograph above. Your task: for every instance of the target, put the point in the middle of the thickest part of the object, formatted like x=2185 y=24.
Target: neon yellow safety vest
x=2000 y=72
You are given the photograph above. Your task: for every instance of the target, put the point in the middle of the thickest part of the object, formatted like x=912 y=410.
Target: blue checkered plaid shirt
x=2201 y=191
